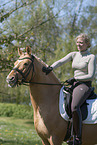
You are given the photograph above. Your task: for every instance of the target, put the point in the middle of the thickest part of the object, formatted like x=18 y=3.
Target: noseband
x=26 y=73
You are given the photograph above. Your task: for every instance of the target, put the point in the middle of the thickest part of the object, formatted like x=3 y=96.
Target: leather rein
x=26 y=73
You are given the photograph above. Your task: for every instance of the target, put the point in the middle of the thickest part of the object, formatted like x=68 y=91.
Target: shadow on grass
x=30 y=122
x=14 y=142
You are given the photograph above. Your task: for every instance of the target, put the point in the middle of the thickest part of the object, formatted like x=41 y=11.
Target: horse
x=44 y=94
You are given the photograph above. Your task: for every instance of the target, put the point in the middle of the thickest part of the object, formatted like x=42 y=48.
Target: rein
x=27 y=73
x=61 y=84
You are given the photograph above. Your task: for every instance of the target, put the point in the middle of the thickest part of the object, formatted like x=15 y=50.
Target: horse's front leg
x=51 y=141
x=55 y=140
x=45 y=142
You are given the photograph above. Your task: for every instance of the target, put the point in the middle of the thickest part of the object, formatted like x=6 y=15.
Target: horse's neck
x=43 y=94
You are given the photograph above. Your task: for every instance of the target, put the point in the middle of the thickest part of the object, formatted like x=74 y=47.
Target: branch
x=41 y=23
x=7 y=2
x=33 y=27
x=75 y=17
x=9 y=13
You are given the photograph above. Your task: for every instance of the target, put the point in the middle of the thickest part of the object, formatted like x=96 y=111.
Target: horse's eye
x=25 y=64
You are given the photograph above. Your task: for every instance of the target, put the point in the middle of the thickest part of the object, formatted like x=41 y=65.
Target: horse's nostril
x=12 y=78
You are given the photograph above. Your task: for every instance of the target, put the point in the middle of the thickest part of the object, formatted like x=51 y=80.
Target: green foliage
x=17 y=111
x=41 y=24
x=18 y=95
x=49 y=27
x=34 y=26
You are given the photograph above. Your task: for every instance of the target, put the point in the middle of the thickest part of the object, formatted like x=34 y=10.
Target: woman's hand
x=47 y=70
x=71 y=81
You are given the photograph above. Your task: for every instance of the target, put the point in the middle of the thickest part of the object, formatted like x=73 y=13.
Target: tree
x=49 y=27
x=33 y=25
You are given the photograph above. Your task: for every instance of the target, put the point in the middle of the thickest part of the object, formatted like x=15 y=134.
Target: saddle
x=68 y=99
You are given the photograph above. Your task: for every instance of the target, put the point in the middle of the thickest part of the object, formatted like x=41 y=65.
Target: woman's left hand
x=71 y=81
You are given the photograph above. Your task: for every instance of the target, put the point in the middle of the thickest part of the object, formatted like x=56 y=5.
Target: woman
x=84 y=65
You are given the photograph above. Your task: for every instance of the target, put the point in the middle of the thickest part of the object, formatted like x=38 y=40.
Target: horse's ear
x=19 y=51
x=28 y=50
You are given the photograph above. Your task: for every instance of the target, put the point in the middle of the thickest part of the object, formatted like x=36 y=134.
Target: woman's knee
x=74 y=107
x=78 y=97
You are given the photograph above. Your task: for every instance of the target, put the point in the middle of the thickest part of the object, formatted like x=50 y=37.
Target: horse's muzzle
x=12 y=81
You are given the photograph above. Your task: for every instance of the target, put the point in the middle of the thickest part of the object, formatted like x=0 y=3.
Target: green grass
x=18 y=132
x=16 y=110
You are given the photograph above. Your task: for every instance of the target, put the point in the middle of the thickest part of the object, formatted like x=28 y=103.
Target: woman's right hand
x=47 y=70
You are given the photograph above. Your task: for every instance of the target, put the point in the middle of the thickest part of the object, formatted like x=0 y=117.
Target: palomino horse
x=44 y=93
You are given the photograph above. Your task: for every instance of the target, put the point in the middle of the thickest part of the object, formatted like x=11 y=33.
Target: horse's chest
x=40 y=125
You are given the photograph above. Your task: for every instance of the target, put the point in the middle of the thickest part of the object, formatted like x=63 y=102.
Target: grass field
x=18 y=132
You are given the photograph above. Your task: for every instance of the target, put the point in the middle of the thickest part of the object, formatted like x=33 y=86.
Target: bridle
x=27 y=72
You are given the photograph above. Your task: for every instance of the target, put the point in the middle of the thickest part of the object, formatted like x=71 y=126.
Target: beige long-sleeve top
x=83 y=63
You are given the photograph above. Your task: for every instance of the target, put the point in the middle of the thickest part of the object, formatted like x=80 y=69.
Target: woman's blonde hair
x=86 y=38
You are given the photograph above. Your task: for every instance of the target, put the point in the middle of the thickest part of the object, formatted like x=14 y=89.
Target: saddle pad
x=92 y=109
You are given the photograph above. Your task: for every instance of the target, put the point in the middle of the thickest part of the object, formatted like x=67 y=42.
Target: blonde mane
x=39 y=59
x=44 y=64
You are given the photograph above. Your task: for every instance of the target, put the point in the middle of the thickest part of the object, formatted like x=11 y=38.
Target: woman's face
x=81 y=44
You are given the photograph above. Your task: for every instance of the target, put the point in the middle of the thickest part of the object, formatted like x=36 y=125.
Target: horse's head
x=23 y=69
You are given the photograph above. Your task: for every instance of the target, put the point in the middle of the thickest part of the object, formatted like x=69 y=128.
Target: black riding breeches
x=79 y=95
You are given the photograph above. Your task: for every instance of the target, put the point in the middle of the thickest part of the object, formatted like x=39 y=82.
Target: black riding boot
x=77 y=127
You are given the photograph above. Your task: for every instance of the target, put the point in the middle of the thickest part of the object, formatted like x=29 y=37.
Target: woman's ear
x=19 y=51
x=28 y=50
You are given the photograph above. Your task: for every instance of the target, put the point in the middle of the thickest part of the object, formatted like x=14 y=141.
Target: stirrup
x=75 y=141
x=70 y=141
